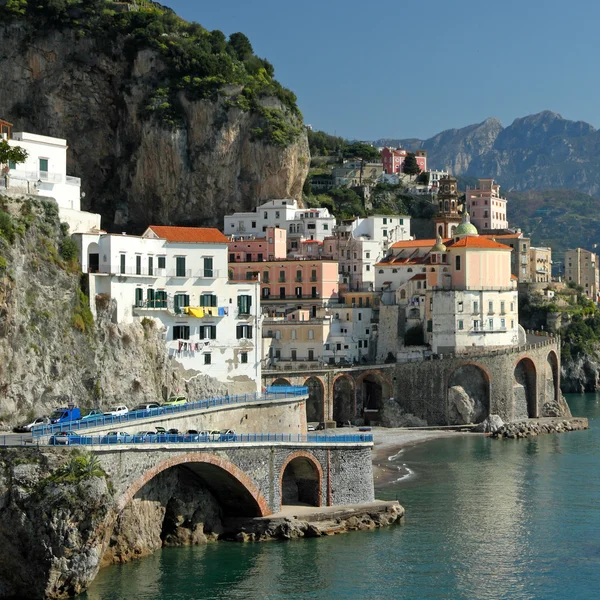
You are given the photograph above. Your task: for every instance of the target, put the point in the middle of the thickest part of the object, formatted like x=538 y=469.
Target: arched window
x=432 y=270
x=409 y=270
x=402 y=294
x=440 y=231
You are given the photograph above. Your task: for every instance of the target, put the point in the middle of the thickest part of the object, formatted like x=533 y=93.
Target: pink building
x=311 y=281
x=271 y=247
x=393 y=159
x=485 y=206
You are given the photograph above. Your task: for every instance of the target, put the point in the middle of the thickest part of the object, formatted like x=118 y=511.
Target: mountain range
x=541 y=151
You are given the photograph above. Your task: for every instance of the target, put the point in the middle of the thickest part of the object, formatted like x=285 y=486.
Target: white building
x=178 y=277
x=44 y=173
x=300 y=223
x=360 y=243
x=435 y=176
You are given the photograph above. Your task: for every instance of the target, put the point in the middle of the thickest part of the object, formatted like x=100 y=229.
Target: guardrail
x=159 y=438
x=272 y=393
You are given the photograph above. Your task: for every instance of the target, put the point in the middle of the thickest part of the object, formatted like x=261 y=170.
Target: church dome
x=466 y=227
x=439 y=245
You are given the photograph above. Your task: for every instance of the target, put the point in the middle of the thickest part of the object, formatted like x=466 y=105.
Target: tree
x=361 y=150
x=410 y=166
x=241 y=46
x=10 y=153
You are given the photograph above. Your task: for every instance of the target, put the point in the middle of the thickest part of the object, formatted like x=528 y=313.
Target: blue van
x=63 y=415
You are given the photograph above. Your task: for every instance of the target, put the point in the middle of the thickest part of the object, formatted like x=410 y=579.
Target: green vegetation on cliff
x=200 y=63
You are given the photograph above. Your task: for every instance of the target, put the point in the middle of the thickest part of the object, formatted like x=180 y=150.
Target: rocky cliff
x=158 y=132
x=541 y=151
x=51 y=350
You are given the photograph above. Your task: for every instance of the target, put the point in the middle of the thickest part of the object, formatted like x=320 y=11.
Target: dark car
x=27 y=427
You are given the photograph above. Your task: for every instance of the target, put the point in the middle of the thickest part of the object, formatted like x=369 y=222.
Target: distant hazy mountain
x=540 y=151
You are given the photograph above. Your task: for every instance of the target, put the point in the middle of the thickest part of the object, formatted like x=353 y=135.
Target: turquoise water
x=485 y=519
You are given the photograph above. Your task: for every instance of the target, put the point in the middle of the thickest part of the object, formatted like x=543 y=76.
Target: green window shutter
x=213 y=332
x=150 y=297
x=139 y=296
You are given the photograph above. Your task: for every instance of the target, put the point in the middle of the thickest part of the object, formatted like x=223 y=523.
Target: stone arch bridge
x=516 y=382
x=249 y=479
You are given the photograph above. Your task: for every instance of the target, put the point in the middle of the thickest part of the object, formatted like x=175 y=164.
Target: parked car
x=227 y=435
x=29 y=426
x=63 y=438
x=147 y=406
x=95 y=413
x=116 y=437
x=311 y=427
x=117 y=411
x=64 y=415
x=144 y=436
x=175 y=401
x=191 y=435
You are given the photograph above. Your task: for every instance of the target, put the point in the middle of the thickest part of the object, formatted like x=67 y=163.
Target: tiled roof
x=475 y=241
x=195 y=235
x=416 y=277
x=417 y=243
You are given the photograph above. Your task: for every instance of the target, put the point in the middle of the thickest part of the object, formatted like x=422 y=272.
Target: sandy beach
x=389 y=442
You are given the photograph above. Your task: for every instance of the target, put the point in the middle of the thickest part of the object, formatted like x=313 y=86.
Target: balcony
x=41 y=176
x=128 y=271
x=207 y=274
x=180 y=273
x=73 y=181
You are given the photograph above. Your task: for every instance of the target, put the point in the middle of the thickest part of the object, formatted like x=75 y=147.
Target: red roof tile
x=475 y=241
x=416 y=243
x=194 y=235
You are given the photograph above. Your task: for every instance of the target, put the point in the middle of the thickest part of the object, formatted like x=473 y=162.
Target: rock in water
x=489 y=425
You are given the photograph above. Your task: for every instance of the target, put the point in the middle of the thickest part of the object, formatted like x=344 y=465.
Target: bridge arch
x=315 y=403
x=373 y=388
x=301 y=479
x=468 y=392
x=234 y=489
x=552 y=378
x=344 y=398
x=281 y=381
x=525 y=403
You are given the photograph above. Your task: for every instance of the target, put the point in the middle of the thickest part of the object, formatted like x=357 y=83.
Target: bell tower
x=447 y=218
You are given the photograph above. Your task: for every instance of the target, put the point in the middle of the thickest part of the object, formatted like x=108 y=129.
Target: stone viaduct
x=516 y=382
x=250 y=479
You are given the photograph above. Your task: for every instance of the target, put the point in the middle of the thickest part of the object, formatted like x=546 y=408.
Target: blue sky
x=411 y=69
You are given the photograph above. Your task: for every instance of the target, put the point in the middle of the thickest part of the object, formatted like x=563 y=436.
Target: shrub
x=69 y=250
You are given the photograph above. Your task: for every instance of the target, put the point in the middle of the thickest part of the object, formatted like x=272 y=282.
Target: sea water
x=484 y=519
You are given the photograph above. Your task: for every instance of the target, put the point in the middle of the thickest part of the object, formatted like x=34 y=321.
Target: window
x=360 y=343
x=476 y=325
x=475 y=306
x=138 y=265
x=122 y=265
x=44 y=165
x=160 y=299
x=502 y=323
x=162 y=262
x=265 y=276
x=491 y=324
x=311 y=354
x=502 y=311
x=490 y=307
x=244 y=358
x=281 y=276
x=460 y=306
x=244 y=303
x=512 y=324
x=266 y=292
x=512 y=307
x=385 y=233
x=360 y=316
x=253 y=224
x=461 y=325
x=365 y=343
x=207 y=358
x=298 y=276
x=298 y=292
x=293 y=334
x=294 y=355
x=150 y=298
x=313 y=275
x=181 y=332
x=311 y=334
x=208 y=300
x=265 y=215
x=338 y=346
x=139 y=297
x=457 y=263
x=243 y=332
x=282 y=293
x=277 y=214
x=208 y=266
x=384 y=221
x=179 y=301
x=207 y=332
x=259 y=257
x=180 y=266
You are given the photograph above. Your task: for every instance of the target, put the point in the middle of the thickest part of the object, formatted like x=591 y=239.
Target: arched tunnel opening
x=343 y=400
x=314 y=404
x=189 y=503
x=301 y=483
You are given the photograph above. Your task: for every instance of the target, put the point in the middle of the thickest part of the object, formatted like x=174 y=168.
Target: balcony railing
x=207 y=274
x=43 y=176
x=73 y=180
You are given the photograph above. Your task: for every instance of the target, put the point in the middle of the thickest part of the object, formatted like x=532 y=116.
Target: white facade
x=210 y=325
x=435 y=176
x=349 y=336
x=300 y=223
x=461 y=319
x=485 y=206
x=44 y=173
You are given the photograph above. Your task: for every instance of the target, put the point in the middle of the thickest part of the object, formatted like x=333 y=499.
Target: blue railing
x=74 y=439
x=272 y=393
x=187 y=438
